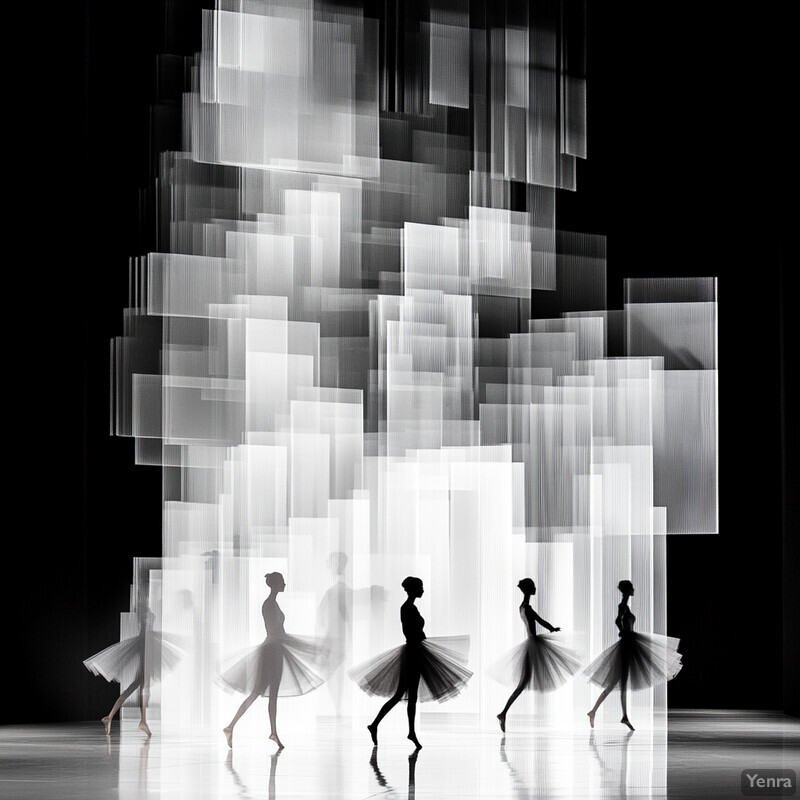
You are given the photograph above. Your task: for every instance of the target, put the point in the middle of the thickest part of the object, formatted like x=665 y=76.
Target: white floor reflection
x=702 y=756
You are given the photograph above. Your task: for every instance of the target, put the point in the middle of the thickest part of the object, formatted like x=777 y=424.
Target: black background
x=688 y=170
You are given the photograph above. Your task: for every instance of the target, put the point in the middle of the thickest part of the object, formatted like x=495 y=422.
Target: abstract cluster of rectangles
x=337 y=331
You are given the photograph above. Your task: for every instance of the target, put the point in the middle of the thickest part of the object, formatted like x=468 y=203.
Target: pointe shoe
x=373 y=732
x=625 y=721
x=413 y=738
x=107 y=722
x=502 y=720
x=274 y=737
x=591 y=714
x=228 y=736
x=144 y=729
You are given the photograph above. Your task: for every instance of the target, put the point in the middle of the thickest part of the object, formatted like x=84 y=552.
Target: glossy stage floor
x=702 y=756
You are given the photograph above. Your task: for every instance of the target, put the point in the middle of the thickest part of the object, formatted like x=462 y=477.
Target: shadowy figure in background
x=136 y=663
x=541 y=662
x=274 y=668
x=422 y=668
x=636 y=661
x=335 y=616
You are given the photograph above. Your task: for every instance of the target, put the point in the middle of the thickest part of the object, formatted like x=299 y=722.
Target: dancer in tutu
x=541 y=662
x=636 y=661
x=136 y=663
x=421 y=669
x=276 y=667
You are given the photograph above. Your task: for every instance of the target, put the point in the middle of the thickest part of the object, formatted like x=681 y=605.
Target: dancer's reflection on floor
x=412 y=775
x=614 y=774
x=242 y=786
x=144 y=754
x=538 y=774
x=131 y=766
x=520 y=789
x=381 y=778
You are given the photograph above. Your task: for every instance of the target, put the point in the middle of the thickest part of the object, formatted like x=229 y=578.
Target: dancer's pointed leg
x=246 y=703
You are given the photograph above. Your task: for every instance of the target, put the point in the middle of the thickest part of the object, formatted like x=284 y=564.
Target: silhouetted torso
x=412 y=622
x=625 y=619
x=273 y=619
x=530 y=618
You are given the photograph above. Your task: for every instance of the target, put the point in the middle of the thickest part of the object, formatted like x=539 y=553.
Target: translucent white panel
x=589 y=332
x=670 y=290
x=147 y=402
x=310 y=470
x=560 y=450
x=556 y=351
x=575 y=110
x=499 y=252
x=287 y=92
x=622 y=404
x=187 y=285
x=341 y=423
x=640 y=462
x=271 y=379
x=542 y=113
x=449 y=64
x=259 y=43
x=263 y=486
x=685 y=449
x=268 y=261
x=190 y=528
x=203 y=411
x=432 y=258
x=685 y=334
x=317 y=215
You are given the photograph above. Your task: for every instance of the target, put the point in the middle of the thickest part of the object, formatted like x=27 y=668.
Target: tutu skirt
x=284 y=662
x=543 y=661
x=439 y=662
x=649 y=659
x=137 y=658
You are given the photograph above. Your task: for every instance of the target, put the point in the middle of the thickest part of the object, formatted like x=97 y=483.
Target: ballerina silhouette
x=540 y=662
x=421 y=669
x=275 y=667
x=135 y=662
x=636 y=661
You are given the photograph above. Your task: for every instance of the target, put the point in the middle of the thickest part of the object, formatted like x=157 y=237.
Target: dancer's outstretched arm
x=544 y=623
